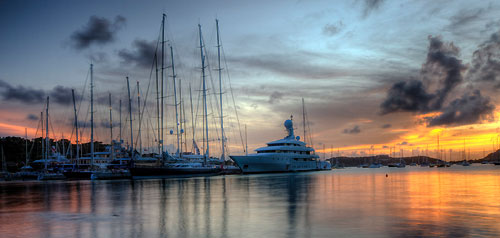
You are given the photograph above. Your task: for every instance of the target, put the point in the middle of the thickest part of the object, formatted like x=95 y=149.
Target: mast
x=111 y=128
x=76 y=126
x=26 y=144
x=162 y=68
x=175 y=100
x=205 y=118
x=139 y=116
x=42 y=141
x=46 y=134
x=246 y=140
x=160 y=142
x=304 y=118
x=120 y=115
x=92 y=115
x=130 y=115
x=192 y=115
x=223 y=139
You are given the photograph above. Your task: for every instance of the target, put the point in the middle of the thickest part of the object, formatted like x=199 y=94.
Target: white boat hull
x=276 y=163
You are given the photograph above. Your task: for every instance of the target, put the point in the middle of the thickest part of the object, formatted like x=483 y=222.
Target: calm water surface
x=446 y=202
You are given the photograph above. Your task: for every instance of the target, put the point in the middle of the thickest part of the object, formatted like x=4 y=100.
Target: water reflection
x=412 y=202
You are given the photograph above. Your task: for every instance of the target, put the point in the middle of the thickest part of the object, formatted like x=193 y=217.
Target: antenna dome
x=288 y=124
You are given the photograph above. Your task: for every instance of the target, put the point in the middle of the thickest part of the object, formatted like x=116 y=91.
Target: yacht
x=285 y=155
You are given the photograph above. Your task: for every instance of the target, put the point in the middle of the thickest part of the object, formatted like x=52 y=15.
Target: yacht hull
x=145 y=172
x=274 y=164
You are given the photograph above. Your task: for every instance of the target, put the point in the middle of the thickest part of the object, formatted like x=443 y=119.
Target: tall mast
x=43 y=142
x=175 y=100
x=139 y=116
x=111 y=127
x=223 y=139
x=76 y=126
x=192 y=115
x=162 y=67
x=205 y=118
x=46 y=134
x=92 y=115
x=246 y=140
x=304 y=118
x=158 y=108
x=182 y=118
x=130 y=116
x=26 y=144
x=120 y=115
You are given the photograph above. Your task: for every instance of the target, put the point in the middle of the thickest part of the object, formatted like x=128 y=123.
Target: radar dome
x=298 y=137
x=288 y=124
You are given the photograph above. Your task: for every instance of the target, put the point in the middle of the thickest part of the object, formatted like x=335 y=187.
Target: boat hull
x=78 y=174
x=147 y=172
x=274 y=164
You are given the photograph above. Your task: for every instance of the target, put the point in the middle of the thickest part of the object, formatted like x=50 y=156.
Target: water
x=446 y=202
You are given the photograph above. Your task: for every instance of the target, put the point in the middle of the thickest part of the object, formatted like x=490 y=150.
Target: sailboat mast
x=175 y=100
x=158 y=108
x=42 y=141
x=92 y=115
x=162 y=68
x=130 y=116
x=246 y=140
x=26 y=144
x=223 y=139
x=47 y=134
x=205 y=118
x=139 y=116
x=304 y=118
x=192 y=115
x=120 y=115
x=76 y=126
x=111 y=127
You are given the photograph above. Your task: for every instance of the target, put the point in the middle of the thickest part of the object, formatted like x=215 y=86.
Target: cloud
x=332 y=29
x=409 y=96
x=385 y=126
x=59 y=94
x=142 y=55
x=275 y=97
x=403 y=143
x=485 y=65
x=32 y=117
x=371 y=5
x=98 y=30
x=464 y=17
x=442 y=67
x=470 y=108
x=354 y=130
x=20 y=93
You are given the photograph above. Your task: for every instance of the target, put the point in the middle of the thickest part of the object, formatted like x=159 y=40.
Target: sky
x=376 y=76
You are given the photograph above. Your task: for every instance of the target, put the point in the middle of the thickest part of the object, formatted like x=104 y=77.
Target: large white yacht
x=285 y=155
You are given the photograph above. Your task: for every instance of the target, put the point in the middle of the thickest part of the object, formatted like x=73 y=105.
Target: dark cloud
x=98 y=30
x=275 y=97
x=32 y=117
x=20 y=93
x=61 y=95
x=470 y=108
x=403 y=143
x=58 y=94
x=354 y=130
x=442 y=71
x=371 y=5
x=444 y=68
x=385 y=126
x=142 y=55
x=410 y=96
x=332 y=29
x=485 y=65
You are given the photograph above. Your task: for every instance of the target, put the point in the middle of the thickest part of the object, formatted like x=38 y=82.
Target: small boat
x=465 y=163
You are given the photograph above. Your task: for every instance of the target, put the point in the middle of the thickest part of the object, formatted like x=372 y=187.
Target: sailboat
x=180 y=165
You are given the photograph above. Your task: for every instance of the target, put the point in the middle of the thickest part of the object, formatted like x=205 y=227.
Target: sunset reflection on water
x=453 y=202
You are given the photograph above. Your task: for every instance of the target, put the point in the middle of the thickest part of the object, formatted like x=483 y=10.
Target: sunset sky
x=374 y=74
